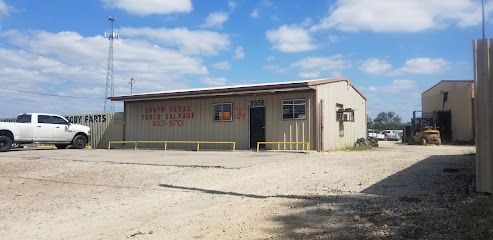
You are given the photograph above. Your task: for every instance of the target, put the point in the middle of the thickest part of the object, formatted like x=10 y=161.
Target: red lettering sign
x=172 y=116
x=239 y=113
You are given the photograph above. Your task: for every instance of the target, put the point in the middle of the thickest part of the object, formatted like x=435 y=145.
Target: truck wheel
x=423 y=141
x=439 y=141
x=61 y=146
x=5 y=143
x=79 y=142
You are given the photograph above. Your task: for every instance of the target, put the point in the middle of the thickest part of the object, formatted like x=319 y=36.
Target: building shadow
x=321 y=198
x=419 y=202
x=112 y=130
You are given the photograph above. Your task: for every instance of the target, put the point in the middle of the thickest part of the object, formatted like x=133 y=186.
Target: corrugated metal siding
x=460 y=96
x=7 y=119
x=341 y=93
x=105 y=127
x=483 y=58
x=193 y=120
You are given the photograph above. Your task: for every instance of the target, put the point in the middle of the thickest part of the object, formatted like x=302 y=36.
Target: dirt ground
x=392 y=192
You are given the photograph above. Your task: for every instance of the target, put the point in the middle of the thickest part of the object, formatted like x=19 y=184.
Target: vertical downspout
x=366 y=119
x=124 y=121
x=309 y=123
x=321 y=124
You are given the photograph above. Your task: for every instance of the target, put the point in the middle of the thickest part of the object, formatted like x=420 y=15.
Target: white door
x=25 y=127
x=60 y=130
x=43 y=129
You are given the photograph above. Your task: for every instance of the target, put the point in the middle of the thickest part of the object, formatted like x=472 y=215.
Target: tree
x=386 y=120
x=369 y=121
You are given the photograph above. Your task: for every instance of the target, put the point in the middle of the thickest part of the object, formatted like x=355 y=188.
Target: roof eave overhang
x=148 y=97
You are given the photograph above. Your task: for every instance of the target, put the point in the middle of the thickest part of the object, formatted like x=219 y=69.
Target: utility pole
x=110 y=74
x=132 y=82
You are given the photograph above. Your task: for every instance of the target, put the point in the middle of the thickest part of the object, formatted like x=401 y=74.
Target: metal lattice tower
x=110 y=74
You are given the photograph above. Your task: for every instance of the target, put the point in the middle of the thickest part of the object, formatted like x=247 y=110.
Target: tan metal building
x=328 y=113
x=451 y=103
x=483 y=68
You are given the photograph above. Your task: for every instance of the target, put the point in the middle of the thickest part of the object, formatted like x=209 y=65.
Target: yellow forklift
x=422 y=131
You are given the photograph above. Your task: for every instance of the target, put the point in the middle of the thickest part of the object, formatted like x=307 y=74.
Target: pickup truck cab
x=43 y=128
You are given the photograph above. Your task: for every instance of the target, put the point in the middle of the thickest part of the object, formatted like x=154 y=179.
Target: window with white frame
x=294 y=109
x=223 y=112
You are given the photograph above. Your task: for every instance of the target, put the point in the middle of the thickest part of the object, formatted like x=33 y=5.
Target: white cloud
x=402 y=15
x=4 y=8
x=397 y=86
x=375 y=66
x=239 y=53
x=268 y=3
x=215 y=20
x=403 y=85
x=307 y=22
x=333 y=38
x=218 y=81
x=332 y=64
x=274 y=68
x=290 y=39
x=309 y=75
x=232 y=4
x=148 y=7
x=423 y=66
x=223 y=65
x=255 y=13
x=198 y=42
x=401 y=96
x=153 y=67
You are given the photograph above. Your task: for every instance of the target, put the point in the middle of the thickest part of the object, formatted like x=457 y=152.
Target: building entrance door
x=257 y=126
x=444 y=125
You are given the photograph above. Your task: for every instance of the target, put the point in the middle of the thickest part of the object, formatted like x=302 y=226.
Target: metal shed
x=483 y=59
x=327 y=113
x=451 y=104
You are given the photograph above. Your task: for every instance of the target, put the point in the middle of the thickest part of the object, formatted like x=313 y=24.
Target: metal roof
x=233 y=90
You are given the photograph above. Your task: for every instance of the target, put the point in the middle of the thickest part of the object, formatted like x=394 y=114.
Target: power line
x=47 y=94
x=58 y=61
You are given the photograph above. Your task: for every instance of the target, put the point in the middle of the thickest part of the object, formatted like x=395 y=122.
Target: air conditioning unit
x=345 y=115
x=340 y=116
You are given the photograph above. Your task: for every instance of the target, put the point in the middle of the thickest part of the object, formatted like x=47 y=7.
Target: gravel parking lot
x=394 y=191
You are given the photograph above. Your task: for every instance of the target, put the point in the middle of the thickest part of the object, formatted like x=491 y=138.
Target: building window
x=294 y=109
x=58 y=120
x=44 y=119
x=24 y=118
x=223 y=112
x=51 y=120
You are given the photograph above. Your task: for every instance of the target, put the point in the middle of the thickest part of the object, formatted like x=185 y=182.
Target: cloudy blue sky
x=391 y=49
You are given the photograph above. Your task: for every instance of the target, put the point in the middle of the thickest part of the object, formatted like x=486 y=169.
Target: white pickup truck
x=43 y=128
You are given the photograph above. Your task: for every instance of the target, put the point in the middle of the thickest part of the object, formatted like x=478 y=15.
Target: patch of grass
x=476 y=218
x=357 y=148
